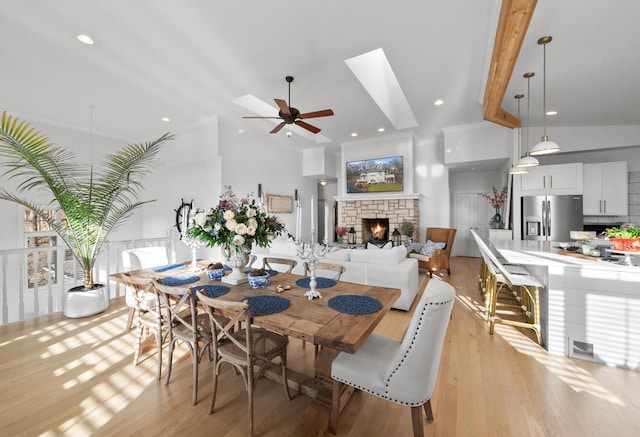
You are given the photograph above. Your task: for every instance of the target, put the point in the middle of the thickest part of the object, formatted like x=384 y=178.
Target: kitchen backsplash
x=634 y=205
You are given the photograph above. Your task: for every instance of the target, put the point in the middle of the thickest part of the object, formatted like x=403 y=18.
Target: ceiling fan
x=290 y=115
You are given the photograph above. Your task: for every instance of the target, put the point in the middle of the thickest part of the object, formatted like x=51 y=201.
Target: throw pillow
x=415 y=247
x=386 y=245
x=430 y=247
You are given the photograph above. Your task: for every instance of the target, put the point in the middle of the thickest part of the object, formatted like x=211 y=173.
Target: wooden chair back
x=268 y=261
x=336 y=269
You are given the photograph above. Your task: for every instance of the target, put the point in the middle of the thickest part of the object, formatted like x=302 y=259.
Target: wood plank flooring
x=64 y=377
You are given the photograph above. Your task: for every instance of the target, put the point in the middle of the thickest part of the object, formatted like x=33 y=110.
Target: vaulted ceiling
x=190 y=60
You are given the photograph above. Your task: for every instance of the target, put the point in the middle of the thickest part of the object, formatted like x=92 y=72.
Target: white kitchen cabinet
x=552 y=179
x=605 y=188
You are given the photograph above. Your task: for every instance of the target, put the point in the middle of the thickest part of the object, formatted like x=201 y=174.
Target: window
x=38 y=233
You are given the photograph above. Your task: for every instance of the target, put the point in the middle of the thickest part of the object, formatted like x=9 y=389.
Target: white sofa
x=381 y=267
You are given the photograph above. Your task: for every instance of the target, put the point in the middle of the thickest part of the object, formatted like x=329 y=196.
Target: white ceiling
x=190 y=60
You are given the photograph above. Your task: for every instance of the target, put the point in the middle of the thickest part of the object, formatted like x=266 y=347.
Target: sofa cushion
x=339 y=254
x=388 y=257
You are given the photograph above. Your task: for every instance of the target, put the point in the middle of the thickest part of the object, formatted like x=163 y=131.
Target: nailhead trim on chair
x=384 y=396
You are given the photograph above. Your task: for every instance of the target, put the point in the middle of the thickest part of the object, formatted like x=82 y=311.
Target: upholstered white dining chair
x=141 y=258
x=403 y=372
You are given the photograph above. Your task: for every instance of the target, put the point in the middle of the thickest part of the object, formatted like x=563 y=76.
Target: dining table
x=315 y=321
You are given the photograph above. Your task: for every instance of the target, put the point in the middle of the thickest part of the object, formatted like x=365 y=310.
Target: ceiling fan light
x=544 y=147
x=518 y=170
x=527 y=161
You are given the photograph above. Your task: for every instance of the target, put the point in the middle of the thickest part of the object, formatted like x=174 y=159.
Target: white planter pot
x=78 y=304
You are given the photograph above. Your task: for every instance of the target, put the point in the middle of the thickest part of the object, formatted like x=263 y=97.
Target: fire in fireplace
x=376 y=229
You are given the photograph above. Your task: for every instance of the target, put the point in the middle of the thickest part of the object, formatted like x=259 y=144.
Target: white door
x=471 y=211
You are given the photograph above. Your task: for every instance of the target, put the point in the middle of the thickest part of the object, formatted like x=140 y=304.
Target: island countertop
x=542 y=253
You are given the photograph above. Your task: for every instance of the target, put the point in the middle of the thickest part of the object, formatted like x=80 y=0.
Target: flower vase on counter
x=496 y=221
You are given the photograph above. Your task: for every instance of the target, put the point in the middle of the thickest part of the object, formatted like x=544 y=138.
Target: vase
x=496 y=220
x=236 y=257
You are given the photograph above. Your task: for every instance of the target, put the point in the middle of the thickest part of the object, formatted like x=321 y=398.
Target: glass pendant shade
x=527 y=161
x=545 y=146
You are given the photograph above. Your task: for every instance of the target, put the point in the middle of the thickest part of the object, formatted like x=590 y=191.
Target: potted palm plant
x=93 y=202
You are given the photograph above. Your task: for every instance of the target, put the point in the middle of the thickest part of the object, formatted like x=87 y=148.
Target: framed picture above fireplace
x=375 y=175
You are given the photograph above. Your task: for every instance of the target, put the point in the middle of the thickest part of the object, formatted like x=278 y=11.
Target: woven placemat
x=180 y=280
x=212 y=291
x=263 y=305
x=320 y=282
x=355 y=304
x=167 y=267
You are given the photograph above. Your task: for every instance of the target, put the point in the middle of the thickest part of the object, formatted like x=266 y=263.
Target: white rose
x=238 y=240
x=200 y=219
x=241 y=229
x=231 y=225
x=251 y=230
x=228 y=215
x=251 y=212
x=217 y=226
x=253 y=223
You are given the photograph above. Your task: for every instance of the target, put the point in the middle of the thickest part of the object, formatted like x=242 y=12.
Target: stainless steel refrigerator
x=550 y=218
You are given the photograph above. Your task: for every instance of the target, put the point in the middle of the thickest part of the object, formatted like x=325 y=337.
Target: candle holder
x=194 y=244
x=312 y=253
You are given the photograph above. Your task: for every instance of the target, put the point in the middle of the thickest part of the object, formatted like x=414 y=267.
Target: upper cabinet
x=552 y=179
x=606 y=189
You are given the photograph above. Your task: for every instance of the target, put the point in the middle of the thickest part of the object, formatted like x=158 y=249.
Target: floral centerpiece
x=496 y=200
x=236 y=224
x=341 y=231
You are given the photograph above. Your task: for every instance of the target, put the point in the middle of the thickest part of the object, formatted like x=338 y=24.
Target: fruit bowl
x=258 y=281
x=214 y=274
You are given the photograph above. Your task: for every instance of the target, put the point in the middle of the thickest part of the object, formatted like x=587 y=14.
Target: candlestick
x=313 y=221
x=298 y=219
x=326 y=223
x=312 y=252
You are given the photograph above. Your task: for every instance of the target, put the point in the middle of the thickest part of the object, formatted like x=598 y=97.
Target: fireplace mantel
x=377 y=196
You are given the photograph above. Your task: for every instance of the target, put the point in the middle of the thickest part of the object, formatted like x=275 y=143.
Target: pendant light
x=545 y=146
x=515 y=169
x=528 y=160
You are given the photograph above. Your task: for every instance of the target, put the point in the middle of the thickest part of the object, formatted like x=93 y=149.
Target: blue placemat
x=212 y=291
x=320 y=282
x=180 y=280
x=263 y=305
x=271 y=272
x=355 y=304
x=167 y=267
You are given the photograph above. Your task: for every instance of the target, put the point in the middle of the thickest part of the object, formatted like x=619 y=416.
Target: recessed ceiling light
x=323 y=182
x=354 y=134
x=438 y=102
x=85 y=39
x=240 y=131
x=289 y=134
x=552 y=112
x=166 y=119
x=380 y=129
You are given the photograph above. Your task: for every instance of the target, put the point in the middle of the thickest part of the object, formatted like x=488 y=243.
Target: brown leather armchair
x=440 y=259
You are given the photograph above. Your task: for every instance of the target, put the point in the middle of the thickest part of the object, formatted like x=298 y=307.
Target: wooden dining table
x=310 y=320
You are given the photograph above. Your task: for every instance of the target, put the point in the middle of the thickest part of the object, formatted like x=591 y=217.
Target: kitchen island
x=590 y=309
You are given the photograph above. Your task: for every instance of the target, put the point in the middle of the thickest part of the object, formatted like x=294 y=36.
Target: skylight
x=375 y=74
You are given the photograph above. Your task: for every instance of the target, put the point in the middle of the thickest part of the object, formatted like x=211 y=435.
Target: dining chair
x=403 y=372
x=153 y=320
x=289 y=264
x=187 y=326
x=141 y=258
x=242 y=349
x=334 y=271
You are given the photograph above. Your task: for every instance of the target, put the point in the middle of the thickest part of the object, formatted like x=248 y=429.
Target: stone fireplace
x=395 y=210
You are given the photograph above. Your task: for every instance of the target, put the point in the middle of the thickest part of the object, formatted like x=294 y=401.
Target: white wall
x=431 y=179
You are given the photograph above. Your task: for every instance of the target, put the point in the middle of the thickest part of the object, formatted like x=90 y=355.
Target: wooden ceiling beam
x=515 y=16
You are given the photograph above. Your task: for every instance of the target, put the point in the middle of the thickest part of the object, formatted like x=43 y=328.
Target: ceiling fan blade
x=277 y=128
x=323 y=113
x=275 y=118
x=308 y=127
x=283 y=106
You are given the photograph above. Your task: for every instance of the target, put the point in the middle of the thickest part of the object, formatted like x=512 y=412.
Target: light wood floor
x=75 y=378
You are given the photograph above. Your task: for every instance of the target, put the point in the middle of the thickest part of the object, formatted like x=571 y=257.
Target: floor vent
x=581 y=349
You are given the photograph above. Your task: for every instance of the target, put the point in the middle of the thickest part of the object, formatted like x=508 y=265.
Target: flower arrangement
x=341 y=231
x=237 y=222
x=497 y=200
